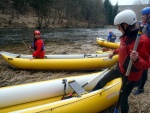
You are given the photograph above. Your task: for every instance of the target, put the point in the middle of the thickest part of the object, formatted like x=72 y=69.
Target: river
x=15 y=36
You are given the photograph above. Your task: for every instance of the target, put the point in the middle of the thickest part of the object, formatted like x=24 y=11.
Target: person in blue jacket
x=111 y=37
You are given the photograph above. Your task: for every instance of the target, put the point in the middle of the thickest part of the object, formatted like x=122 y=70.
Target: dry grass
x=10 y=76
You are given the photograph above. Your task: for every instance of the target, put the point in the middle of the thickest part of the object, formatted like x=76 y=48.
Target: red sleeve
x=116 y=51
x=143 y=62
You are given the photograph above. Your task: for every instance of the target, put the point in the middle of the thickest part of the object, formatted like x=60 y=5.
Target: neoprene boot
x=138 y=91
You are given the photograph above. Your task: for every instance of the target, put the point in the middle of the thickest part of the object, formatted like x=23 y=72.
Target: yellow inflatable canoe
x=101 y=52
x=73 y=62
x=104 y=43
x=45 y=96
x=105 y=50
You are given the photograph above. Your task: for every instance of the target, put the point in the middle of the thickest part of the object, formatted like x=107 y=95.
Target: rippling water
x=15 y=36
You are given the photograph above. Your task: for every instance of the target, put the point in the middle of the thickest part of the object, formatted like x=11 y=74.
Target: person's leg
x=143 y=79
x=124 y=99
x=141 y=83
x=114 y=73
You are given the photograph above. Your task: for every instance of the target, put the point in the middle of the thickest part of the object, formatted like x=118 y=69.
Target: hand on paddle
x=111 y=55
x=31 y=48
x=134 y=56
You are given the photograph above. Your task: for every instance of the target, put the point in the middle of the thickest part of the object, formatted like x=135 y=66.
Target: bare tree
x=142 y=2
x=67 y=13
x=139 y=5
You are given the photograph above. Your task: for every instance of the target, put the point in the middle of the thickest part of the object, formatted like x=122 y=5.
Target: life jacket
x=35 y=47
x=111 y=37
x=146 y=29
x=38 y=46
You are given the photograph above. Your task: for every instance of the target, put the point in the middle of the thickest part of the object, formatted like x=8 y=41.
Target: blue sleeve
x=108 y=38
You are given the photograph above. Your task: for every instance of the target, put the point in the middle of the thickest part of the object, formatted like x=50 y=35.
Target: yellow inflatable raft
x=101 y=52
x=60 y=62
x=104 y=43
x=45 y=96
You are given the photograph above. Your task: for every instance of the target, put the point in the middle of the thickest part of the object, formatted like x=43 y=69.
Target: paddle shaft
x=27 y=46
x=104 y=72
x=128 y=71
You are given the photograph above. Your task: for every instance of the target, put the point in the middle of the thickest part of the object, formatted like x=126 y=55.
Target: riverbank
x=24 y=21
x=31 y=21
x=10 y=76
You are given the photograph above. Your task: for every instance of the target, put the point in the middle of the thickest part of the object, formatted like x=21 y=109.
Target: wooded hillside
x=57 y=13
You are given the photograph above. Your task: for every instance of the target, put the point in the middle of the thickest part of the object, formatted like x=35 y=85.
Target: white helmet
x=126 y=16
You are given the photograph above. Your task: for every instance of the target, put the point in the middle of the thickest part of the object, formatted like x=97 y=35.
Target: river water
x=15 y=36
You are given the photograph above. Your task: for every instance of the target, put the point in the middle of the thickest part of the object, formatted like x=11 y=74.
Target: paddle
x=104 y=72
x=27 y=45
x=70 y=95
x=128 y=70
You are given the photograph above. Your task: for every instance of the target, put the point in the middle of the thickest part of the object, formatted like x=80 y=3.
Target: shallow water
x=15 y=36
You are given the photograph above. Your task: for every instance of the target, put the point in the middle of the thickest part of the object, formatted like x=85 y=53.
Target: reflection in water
x=15 y=36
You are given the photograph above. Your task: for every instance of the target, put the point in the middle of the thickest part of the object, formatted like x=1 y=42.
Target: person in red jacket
x=126 y=22
x=38 y=45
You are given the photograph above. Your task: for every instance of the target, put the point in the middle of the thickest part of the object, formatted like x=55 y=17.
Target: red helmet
x=37 y=32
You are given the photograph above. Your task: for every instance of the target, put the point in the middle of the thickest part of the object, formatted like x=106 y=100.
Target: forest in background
x=58 y=13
